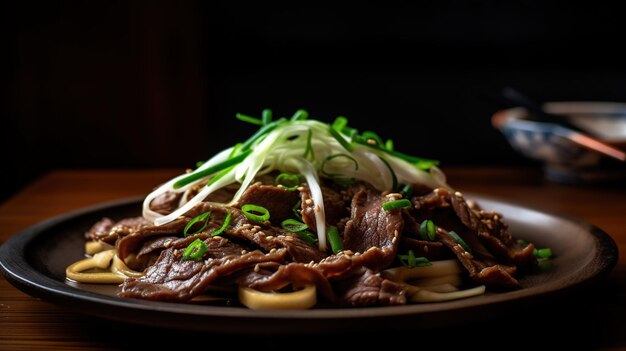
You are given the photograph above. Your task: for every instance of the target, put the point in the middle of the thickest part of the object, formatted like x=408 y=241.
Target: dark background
x=118 y=84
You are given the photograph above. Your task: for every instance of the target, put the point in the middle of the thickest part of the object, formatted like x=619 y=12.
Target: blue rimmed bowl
x=563 y=158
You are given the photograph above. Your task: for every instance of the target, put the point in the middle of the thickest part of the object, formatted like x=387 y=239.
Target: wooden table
x=592 y=317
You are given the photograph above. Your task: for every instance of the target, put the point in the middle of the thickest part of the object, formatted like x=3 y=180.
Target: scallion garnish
x=255 y=212
x=309 y=146
x=389 y=145
x=543 y=253
x=288 y=181
x=201 y=218
x=219 y=175
x=407 y=191
x=461 y=242
x=210 y=170
x=261 y=133
x=307 y=236
x=371 y=137
x=300 y=115
x=421 y=163
x=346 y=145
x=428 y=230
x=411 y=261
x=297 y=209
x=195 y=250
x=335 y=240
x=227 y=220
x=266 y=116
x=199 y=164
x=293 y=226
x=396 y=204
x=249 y=119
x=339 y=123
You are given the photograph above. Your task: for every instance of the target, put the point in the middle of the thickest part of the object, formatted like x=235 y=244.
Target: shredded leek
x=279 y=145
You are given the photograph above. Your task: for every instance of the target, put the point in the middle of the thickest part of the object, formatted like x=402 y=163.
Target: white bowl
x=565 y=160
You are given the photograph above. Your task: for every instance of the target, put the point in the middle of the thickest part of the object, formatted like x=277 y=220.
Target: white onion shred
x=310 y=173
x=283 y=150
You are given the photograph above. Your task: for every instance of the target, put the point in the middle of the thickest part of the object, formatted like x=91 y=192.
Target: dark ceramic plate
x=35 y=260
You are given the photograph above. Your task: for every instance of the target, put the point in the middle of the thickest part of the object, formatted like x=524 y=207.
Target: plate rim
x=20 y=273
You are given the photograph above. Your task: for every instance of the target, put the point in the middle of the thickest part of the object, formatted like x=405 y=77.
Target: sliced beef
x=335 y=207
x=277 y=200
x=295 y=274
x=481 y=272
x=432 y=250
x=166 y=203
x=109 y=231
x=129 y=246
x=266 y=237
x=493 y=233
x=367 y=288
x=172 y=279
x=372 y=229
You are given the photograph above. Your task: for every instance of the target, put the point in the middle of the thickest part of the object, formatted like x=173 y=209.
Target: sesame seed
x=458 y=194
x=318 y=208
x=188 y=170
x=288 y=238
x=269 y=237
x=257 y=268
x=243 y=252
x=348 y=252
x=311 y=263
x=308 y=202
x=371 y=141
x=272 y=251
x=425 y=248
x=495 y=217
x=257 y=227
x=300 y=188
x=357 y=254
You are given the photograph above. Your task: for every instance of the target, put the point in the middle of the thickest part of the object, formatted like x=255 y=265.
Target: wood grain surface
x=591 y=318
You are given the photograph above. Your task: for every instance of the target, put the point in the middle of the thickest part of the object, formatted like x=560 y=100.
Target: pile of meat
x=265 y=257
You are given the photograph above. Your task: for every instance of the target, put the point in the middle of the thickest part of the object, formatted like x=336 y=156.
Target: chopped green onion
x=307 y=236
x=351 y=132
x=543 y=253
x=235 y=150
x=411 y=261
x=332 y=157
x=261 y=133
x=396 y=204
x=394 y=178
x=407 y=191
x=266 y=116
x=369 y=135
x=246 y=118
x=428 y=230
x=255 y=212
x=199 y=164
x=334 y=239
x=210 y=170
x=229 y=216
x=293 y=226
x=524 y=243
x=389 y=145
x=288 y=181
x=346 y=145
x=461 y=242
x=201 y=218
x=297 y=209
x=309 y=146
x=300 y=115
x=221 y=174
x=340 y=123
x=195 y=250
x=421 y=163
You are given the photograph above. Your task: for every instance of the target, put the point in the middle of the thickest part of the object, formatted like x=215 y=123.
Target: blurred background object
x=134 y=84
